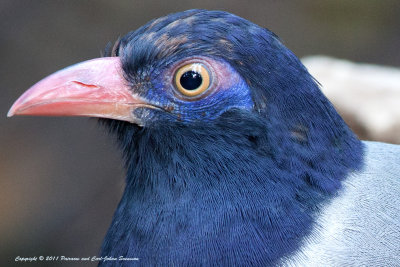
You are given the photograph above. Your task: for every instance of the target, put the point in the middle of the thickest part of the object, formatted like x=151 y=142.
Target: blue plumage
x=221 y=182
x=234 y=157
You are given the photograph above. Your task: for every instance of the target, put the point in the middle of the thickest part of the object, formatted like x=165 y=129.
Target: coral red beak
x=94 y=88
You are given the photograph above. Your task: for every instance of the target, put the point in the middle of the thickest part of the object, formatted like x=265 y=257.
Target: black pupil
x=191 y=80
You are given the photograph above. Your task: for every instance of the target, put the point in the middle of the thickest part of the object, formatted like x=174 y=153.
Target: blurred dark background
x=61 y=178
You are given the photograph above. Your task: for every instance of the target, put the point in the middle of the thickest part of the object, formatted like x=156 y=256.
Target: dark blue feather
x=241 y=184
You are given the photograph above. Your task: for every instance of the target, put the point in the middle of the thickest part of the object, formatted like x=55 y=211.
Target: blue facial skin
x=204 y=108
x=235 y=178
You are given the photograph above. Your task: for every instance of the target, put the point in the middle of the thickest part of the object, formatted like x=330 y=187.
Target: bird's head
x=179 y=68
x=196 y=69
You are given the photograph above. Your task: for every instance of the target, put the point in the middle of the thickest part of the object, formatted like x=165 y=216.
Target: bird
x=233 y=155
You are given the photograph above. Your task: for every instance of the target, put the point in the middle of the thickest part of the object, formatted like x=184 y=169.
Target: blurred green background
x=61 y=178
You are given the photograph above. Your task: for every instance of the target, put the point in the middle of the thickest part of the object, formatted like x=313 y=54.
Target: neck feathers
x=245 y=185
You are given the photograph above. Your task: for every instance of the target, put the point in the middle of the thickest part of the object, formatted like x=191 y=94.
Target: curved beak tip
x=13 y=110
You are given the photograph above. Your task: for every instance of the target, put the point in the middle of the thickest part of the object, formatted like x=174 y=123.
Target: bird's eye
x=192 y=79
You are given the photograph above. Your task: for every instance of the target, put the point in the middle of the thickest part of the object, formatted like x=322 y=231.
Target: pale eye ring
x=192 y=79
